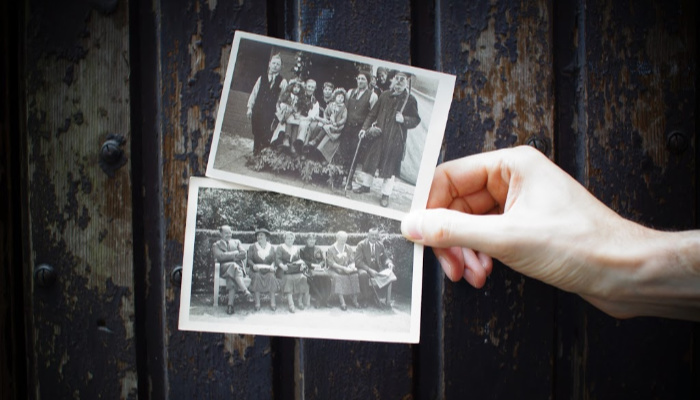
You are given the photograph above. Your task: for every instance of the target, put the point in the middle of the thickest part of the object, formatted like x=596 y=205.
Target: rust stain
x=238 y=344
x=512 y=89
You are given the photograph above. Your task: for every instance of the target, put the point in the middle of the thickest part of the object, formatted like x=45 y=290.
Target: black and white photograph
x=265 y=263
x=329 y=126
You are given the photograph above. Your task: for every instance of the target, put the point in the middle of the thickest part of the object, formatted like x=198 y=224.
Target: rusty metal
x=677 y=142
x=44 y=275
x=538 y=143
x=112 y=156
x=176 y=276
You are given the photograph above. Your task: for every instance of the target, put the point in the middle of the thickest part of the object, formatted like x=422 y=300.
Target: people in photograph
x=287 y=115
x=319 y=279
x=361 y=100
x=262 y=103
x=290 y=268
x=308 y=109
x=376 y=269
x=326 y=135
x=384 y=135
x=261 y=262
x=328 y=89
x=345 y=280
x=230 y=255
x=381 y=81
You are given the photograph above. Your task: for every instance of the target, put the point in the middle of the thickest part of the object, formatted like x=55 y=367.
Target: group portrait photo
x=329 y=126
x=260 y=262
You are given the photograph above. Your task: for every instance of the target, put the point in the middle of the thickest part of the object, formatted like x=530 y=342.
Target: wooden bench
x=219 y=282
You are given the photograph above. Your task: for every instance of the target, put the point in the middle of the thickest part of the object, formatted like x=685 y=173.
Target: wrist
x=659 y=276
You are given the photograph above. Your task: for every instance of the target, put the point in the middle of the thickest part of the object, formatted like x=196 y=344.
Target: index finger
x=471 y=179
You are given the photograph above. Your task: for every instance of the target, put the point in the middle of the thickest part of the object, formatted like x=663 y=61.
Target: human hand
x=399 y=117
x=249 y=114
x=361 y=135
x=520 y=208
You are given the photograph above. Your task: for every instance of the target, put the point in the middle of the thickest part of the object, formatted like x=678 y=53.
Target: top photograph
x=329 y=126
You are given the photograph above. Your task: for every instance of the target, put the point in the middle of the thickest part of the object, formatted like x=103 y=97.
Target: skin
x=362 y=82
x=519 y=207
x=310 y=87
x=327 y=92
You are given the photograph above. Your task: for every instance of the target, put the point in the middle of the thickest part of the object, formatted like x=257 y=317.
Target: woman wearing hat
x=261 y=261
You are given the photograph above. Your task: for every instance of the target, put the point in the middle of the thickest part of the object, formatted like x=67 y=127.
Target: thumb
x=444 y=228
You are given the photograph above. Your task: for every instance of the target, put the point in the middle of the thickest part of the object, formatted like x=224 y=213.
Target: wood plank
x=504 y=96
x=630 y=85
x=332 y=369
x=195 y=41
x=77 y=79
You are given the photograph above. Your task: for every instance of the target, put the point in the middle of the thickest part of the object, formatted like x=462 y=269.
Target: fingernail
x=410 y=227
x=446 y=267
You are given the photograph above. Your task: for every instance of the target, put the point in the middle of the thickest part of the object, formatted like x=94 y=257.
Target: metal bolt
x=111 y=153
x=176 y=276
x=677 y=142
x=44 y=275
x=537 y=143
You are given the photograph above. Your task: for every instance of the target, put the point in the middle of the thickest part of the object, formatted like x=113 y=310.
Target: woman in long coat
x=340 y=259
x=291 y=267
x=261 y=261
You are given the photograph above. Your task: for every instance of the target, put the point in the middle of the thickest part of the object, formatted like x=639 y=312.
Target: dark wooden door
x=607 y=89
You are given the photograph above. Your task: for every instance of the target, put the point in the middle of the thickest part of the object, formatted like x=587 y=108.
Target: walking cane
x=351 y=172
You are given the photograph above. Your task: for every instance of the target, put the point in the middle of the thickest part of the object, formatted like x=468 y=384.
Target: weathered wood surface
x=634 y=69
x=598 y=86
x=81 y=331
x=195 y=42
x=504 y=96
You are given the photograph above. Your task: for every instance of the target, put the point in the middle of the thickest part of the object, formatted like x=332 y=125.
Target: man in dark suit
x=262 y=103
x=230 y=255
x=375 y=268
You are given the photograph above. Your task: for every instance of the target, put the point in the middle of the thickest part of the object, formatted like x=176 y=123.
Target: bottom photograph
x=264 y=263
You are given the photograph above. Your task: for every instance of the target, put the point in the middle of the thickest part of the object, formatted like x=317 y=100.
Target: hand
x=249 y=114
x=519 y=207
x=372 y=273
x=399 y=117
x=361 y=134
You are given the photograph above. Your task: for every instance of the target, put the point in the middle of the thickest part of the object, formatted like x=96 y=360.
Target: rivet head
x=44 y=275
x=538 y=143
x=111 y=152
x=176 y=276
x=677 y=142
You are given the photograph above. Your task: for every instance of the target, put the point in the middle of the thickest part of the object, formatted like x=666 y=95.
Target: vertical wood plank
x=195 y=42
x=628 y=88
x=501 y=54
x=80 y=221
x=343 y=369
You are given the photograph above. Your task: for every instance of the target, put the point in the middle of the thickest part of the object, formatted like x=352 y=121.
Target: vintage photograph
x=264 y=263
x=329 y=126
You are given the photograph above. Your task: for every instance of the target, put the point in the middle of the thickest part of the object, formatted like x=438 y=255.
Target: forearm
x=658 y=277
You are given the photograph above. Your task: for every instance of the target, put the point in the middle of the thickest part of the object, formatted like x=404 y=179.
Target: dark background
x=605 y=88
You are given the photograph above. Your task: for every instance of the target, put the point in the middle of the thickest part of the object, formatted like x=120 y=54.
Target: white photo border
x=431 y=148
x=412 y=335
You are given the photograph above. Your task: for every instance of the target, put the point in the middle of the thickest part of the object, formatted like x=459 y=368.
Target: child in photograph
x=287 y=113
x=326 y=135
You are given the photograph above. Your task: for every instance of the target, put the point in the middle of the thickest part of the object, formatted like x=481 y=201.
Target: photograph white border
x=433 y=142
x=412 y=335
